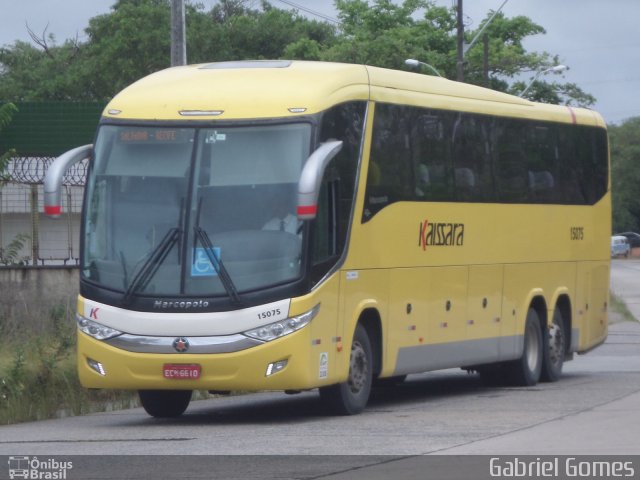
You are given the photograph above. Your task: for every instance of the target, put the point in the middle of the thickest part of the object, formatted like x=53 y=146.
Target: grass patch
x=38 y=378
x=618 y=306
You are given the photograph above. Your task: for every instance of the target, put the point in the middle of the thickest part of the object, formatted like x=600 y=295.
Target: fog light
x=275 y=367
x=97 y=366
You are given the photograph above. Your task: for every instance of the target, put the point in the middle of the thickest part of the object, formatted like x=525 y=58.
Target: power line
x=309 y=11
x=611 y=80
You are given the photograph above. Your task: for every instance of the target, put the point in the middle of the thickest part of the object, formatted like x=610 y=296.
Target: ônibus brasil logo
x=440 y=234
x=34 y=468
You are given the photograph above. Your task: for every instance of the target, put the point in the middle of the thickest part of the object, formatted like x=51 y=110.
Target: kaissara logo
x=440 y=234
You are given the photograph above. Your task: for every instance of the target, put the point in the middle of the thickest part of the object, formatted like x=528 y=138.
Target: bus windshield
x=194 y=211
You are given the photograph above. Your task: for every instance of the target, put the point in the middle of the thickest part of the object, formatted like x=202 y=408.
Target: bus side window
x=510 y=166
x=431 y=155
x=337 y=195
x=391 y=176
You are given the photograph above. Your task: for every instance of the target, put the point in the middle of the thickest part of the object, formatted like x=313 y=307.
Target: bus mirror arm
x=311 y=178
x=54 y=175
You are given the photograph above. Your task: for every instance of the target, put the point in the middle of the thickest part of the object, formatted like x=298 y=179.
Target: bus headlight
x=96 y=330
x=274 y=330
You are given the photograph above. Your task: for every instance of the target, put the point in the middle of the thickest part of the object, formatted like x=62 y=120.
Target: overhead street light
x=554 y=69
x=416 y=63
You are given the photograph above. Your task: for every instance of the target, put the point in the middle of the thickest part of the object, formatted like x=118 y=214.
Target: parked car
x=619 y=246
x=634 y=238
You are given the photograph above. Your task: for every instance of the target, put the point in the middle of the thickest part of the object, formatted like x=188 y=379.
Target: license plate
x=181 y=371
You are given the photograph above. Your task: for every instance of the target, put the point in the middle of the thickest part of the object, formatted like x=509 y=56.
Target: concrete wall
x=28 y=295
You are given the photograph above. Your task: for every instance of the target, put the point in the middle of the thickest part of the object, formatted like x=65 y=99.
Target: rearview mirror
x=311 y=178
x=54 y=175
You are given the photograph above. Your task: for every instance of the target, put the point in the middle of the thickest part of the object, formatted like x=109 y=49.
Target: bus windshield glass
x=194 y=211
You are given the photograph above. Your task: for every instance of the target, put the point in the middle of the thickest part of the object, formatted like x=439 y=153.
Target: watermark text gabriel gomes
x=569 y=467
x=440 y=234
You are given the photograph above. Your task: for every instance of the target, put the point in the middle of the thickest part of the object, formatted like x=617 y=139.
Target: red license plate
x=181 y=371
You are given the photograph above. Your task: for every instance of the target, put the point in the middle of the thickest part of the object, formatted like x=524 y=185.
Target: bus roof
x=282 y=88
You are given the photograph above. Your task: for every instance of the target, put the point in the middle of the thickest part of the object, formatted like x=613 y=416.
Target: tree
x=125 y=45
x=29 y=73
x=385 y=34
x=556 y=93
x=133 y=40
x=625 y=175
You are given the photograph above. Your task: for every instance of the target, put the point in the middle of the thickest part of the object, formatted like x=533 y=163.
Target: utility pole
x=485 y=60
x=178 y=43
x=460 y=62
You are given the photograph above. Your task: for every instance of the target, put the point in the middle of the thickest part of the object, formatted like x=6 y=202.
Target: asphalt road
x=625 y=282
x=593 y=409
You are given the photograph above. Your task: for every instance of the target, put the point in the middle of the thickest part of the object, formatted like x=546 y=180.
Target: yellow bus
x=285 y=225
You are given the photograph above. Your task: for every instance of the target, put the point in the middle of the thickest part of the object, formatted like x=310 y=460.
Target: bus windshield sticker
x=201 y=266
x=215 y=137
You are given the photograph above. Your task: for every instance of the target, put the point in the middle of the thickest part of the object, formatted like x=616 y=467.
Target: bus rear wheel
x=165 y=403
x=351 y=397
x=527 y=369
x=554 y=349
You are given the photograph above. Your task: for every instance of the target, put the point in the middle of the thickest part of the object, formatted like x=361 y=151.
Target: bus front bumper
x=282 y=364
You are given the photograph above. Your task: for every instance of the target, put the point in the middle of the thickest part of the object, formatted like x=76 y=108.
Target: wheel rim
x=532 y=347
x=358 y=368
x=556 y=344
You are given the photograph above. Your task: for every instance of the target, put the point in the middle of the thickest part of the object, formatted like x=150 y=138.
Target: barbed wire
x=31 y=171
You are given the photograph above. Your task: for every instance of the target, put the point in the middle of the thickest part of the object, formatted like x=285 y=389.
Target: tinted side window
x=391 y=175
x=410 y=158
x=472 y=158
x=591 y=161
x=422 y=154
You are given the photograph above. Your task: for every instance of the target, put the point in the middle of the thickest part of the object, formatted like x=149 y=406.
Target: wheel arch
x=371 y=321
x=538 y=302
x=563 y=303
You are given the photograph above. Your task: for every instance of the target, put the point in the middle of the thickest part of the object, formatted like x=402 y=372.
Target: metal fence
x=27 y=236
x=38 y=132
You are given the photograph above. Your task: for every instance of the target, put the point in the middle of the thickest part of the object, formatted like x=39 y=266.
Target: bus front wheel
x=527 y=369
x=350 y=397
x=165 y=403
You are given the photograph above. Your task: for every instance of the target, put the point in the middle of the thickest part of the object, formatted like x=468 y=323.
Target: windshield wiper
x=218 y=266
x=151 y=265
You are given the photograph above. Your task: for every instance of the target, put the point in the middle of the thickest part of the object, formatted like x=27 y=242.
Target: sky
x=596 y=39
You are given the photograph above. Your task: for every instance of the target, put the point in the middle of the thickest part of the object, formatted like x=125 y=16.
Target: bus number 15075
x=268 y=314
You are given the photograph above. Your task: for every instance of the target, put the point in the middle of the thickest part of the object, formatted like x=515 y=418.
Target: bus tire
x=554 y=348
x=526 y=370
x=165 y=403
x=351 y=397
